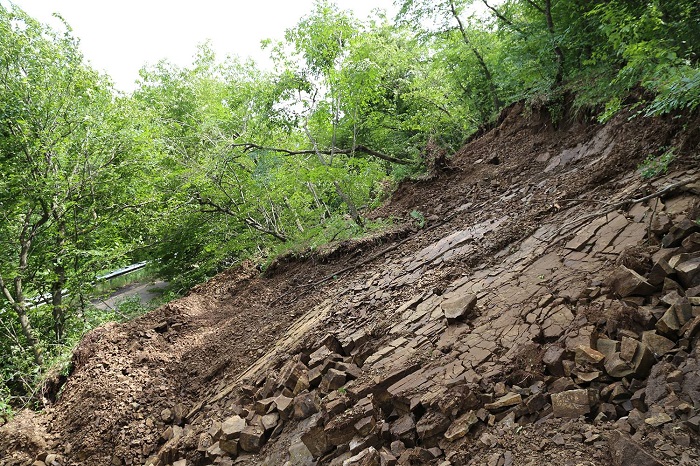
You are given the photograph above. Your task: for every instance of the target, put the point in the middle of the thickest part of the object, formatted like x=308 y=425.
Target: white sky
x=120 y=36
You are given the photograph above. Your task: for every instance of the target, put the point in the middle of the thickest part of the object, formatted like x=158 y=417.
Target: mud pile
x=547 y=310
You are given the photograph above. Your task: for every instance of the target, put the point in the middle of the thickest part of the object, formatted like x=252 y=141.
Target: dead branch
x=614 y=206
x=248 y=146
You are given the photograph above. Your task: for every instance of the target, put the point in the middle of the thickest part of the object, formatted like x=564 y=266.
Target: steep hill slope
x=545 y=312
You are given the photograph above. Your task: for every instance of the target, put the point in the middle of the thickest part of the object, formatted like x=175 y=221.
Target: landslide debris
x=548 y=312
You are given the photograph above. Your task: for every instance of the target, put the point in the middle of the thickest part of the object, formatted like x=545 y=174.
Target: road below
x=145 y=291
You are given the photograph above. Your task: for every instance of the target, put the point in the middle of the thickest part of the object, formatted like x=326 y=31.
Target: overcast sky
x=120 y=36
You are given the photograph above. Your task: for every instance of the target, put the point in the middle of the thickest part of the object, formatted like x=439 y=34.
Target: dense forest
x=204 y=166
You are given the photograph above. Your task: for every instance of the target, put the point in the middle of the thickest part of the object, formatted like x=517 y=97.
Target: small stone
x=535 y=403
x=415 y=456
x=264 y=406
x=269 y=421
x=458 y=308
x=229 y=446
x=215 y=450
x=679 y=232
x=659 y=272
x=357 y=444
x=232 y=427
x=586 y=355
x=306 y=404
x=608 y=347
x=365 y=425
x=586 y=377
x=460 y=426
x=204 y=442
x=499 y=389
x=689 y=272
x=388 y=458
x=626 y=282
x=691 y=328
x=656 y=343
x=694 y=423
x=167 y=415
x=431 y=425
x=510 y=399
x=314 y=437
x=404 y=429
x=616 y=367
x=691 y=243
x=397 y=447
x=558 y=439
x=299 y=455
x=627 y=452
x=628 y=348
x=252 y=439
x=285 y=406
x=675 y=317
x=658 y=419
x=660 y=224
x=571 y=403
x=368 y=457
x=670 y=298
x=561 y=384
x=552 y=360
x=333 y=380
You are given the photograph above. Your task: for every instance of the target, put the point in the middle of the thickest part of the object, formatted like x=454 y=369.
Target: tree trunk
x=28 y=332
x=18 y=304
x=479 y=58
x=18 y=301
x=352 y=208
x=558 y=52
x=58 y=312
x=59 y=281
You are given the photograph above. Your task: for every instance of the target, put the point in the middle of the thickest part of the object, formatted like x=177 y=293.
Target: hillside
x=538 y=303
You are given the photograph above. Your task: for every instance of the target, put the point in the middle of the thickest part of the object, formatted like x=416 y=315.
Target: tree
x=70 y=153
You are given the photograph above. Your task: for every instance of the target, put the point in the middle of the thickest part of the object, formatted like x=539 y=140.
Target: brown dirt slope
x=539 y=315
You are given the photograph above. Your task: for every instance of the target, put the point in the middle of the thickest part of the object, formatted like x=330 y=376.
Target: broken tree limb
x=248 y=146
x=363 y=262
x=616 y=205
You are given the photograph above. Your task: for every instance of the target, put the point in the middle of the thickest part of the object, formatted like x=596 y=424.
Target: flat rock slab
x=627 y=452
x=460 y=426
x=626 y=282
x=252 y=439
x=232 y=427
x=458 y=307
x=571 y=403
x=510 y=399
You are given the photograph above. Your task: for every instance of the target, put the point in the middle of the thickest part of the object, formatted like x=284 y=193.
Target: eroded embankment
x=543 y=314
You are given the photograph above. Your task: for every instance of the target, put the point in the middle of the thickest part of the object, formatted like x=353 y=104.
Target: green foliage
x=656 y=165
x=677 y=88
x=649 y=44
x=335 y=230
x=418 y=217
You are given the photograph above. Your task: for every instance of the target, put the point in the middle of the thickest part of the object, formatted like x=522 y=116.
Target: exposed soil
x=500 y=211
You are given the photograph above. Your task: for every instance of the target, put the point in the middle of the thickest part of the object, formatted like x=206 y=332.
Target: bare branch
x=536 y=6
x=502 y=17
x=250 y=221
x=248 y=146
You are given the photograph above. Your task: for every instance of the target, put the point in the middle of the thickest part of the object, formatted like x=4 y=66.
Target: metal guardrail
x=44 y=299
x=123 y=271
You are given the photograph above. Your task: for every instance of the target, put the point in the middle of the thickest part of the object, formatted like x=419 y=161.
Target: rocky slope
x=547 y=311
